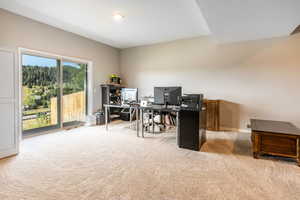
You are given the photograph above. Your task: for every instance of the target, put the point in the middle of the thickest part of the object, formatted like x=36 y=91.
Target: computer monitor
x=167 y=95
x=129 y=95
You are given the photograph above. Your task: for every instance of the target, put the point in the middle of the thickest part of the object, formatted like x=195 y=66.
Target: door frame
x=89 y=90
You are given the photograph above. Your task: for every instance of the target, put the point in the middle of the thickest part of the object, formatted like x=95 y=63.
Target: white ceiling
x=145 y=22
x=238 y=20
x=154 y=21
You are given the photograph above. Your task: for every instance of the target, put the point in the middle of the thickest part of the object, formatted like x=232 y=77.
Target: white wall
x=258 y=79
x=17 y=31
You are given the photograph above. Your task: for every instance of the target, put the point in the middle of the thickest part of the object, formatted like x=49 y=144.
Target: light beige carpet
x=89 y=163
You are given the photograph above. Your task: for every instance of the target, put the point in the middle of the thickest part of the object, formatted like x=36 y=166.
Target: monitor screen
x=167 y=95
x=129 y=95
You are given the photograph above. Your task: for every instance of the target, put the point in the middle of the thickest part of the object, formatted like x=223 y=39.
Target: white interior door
x=9 y=107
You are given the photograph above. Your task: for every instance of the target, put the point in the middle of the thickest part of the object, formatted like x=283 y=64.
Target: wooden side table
x=275 y=138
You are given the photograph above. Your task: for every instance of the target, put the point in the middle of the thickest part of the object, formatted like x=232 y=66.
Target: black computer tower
x=191 y=134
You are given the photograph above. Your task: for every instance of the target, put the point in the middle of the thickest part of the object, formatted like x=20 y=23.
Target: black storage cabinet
x=111 y=94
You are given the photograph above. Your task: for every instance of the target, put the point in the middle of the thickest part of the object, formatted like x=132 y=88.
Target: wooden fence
x=74 y=107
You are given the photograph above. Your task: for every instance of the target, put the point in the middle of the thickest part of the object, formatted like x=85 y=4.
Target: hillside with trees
x=40 y=84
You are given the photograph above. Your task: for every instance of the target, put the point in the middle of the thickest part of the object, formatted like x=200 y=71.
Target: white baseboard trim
x=235 y=130
x=9 y=153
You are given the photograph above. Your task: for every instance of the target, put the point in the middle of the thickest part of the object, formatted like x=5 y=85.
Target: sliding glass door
x=74 y=93
x=54 y=93
x=41 y=93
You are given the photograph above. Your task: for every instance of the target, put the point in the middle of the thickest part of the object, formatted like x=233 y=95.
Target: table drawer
x=279 y=144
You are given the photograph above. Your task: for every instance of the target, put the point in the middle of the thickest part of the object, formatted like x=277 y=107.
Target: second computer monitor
x=167 y=95
x=129 y=95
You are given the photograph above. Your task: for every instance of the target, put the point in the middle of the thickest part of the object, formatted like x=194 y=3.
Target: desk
x=187 y=128
x=275 y=138
x=159 y=109
x=131 y=107
x=138 y=108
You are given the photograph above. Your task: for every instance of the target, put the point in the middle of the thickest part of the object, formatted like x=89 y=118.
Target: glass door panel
x=74 y=96
x=40 y=93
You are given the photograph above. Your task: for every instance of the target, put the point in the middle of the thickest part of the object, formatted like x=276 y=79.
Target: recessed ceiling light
x=118 y=17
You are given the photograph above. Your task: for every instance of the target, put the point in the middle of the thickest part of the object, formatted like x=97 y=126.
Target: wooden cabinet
x=212 y=112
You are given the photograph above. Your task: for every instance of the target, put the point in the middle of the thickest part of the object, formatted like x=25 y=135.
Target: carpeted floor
x=89 y=163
